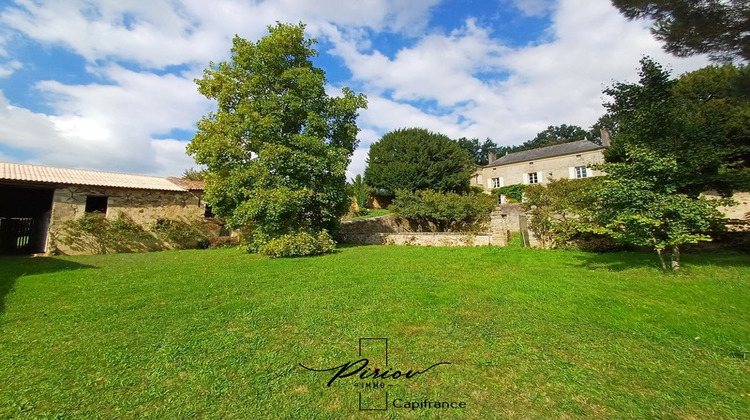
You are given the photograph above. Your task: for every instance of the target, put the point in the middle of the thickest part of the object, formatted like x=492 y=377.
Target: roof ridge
x=33 y=173
x=542 y=152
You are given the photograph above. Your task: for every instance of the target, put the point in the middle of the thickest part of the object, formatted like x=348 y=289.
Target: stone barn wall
x=140 y=206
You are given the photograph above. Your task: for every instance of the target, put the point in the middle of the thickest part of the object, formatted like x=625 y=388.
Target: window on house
x=480 y=179
x=496 y=183
x=208 y=212
x=533 y=178
x=581 y=172
x=96 y=204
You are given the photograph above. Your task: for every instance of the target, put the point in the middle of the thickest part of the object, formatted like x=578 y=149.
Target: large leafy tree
x=640 y=204
x=479 y=151
x=417 y=159
x=277 y=146
x=556 y=135
x=663 y=157
x=720 y=28
x=702 y=118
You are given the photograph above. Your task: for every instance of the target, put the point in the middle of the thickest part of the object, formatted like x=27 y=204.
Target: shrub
x=514 y=193
x=300 y=244
x=177 y=233
x=223 y=242
x=360 y=194
x=99 y=235
x=596 y=243
x=561 y=212
x=443 y=212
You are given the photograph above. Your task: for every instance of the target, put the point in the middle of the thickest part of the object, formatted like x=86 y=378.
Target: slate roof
x=51 y=175
x=546 y=152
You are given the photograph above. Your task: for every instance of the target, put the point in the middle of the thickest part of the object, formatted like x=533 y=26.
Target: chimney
x=606 y=141
x=492 y=156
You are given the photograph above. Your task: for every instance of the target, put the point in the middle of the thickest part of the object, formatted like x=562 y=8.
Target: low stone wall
x=381 y=224
x=419 y=239
x=388 y=230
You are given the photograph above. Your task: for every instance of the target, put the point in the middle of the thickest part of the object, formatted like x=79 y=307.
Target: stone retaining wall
x=419 y=239
x=388 y=230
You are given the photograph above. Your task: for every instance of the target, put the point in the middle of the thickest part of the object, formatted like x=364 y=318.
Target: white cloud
x=464 y=83
x=118 y=124
x=533 y=7
x=486 y=89
x=359 y=163
x=6 y=69
x=109 y=126
x=23 y=129
x=439 y=67
x=159 y=33
x=170 y=157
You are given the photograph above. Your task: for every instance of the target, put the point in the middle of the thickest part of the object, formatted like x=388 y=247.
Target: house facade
x=37 y=201
x=539 y=166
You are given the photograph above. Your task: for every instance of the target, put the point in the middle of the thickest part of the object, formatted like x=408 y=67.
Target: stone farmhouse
x=573 y=161
x=539 y=166
x=36 y=201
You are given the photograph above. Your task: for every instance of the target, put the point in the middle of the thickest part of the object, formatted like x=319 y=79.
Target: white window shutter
x=480 y=179
x=502 y=182
x=525 y=178
x=589 y=172
x=540 y=177
x=572 y=172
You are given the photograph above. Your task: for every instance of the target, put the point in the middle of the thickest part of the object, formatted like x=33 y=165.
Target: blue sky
x=108 y=84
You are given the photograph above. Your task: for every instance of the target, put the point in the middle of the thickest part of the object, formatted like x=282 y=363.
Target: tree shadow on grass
x=12 y=268
x=620 y=261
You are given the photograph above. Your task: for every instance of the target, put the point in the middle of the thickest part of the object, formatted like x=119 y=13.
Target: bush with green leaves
x=514 y=193
x=443 y=212
x=299 y=244
x=562 y=211
x=177 y=233
x=360 y=192
x=96 y=234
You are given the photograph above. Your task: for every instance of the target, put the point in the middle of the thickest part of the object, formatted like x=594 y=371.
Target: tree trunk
x=675 y=258
x=661 y=258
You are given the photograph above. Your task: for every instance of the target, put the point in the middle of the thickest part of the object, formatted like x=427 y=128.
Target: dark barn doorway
x=24 y=219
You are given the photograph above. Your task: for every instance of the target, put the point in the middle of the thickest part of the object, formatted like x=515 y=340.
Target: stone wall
x=510 y=213
x=388 y=230
x=381 y=224
x=419 y=239
x=140 y=206
x=738 y=216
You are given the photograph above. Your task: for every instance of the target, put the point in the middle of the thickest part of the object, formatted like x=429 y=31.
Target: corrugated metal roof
x=51 y=175
x=546 y=152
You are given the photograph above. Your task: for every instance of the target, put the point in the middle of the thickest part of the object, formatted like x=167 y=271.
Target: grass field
x=370 y=214
x=528 y=333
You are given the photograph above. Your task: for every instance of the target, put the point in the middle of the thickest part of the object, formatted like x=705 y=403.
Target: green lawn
x=370 y=214
x=528 y=333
